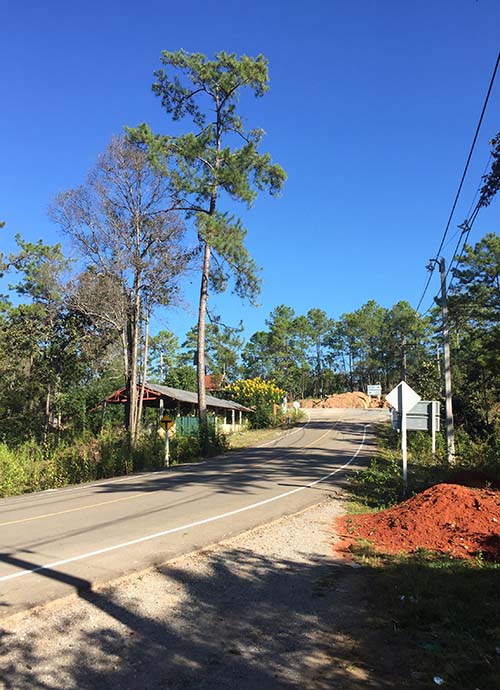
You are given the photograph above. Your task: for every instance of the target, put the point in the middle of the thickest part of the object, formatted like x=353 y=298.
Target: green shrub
x=478 y=453
x=380 y=484
x=36 y=467
x=186 y=448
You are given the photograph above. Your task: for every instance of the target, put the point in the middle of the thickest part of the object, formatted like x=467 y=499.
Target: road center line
x=113 y=500
x=190 y=525
x=63 y=490
x=73 y=510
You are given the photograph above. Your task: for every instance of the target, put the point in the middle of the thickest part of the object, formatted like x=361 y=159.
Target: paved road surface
x=55 y=542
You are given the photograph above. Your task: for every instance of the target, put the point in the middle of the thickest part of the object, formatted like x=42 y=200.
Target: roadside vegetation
x=381 y=484
x=152 y=210
x=33 y=466
x=443 y=612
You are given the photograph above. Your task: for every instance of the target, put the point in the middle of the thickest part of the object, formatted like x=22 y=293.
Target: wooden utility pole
x=450 y=430
x=404 y=367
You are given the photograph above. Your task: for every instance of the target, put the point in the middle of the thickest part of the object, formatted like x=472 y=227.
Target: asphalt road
x=57 y=542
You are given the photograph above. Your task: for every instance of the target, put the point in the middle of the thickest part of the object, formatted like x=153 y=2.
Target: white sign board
x=403 y=398
x=374 y=390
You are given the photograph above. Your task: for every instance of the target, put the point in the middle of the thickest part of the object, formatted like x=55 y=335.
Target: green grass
x=444 y=613
x=254 y=437
x=381 y=484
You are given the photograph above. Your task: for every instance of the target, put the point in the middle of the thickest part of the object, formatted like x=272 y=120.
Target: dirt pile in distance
x=460 y=521
x=357 y=399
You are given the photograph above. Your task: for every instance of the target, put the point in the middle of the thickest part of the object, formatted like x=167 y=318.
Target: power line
x=467 y=227
x=426 y=287
x=486 y=167
x=492 y=81
x=465 y=230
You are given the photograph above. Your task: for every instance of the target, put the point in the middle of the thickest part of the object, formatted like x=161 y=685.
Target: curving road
x=57 y=542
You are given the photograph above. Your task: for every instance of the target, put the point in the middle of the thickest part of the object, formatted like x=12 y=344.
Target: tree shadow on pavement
x=237 y=621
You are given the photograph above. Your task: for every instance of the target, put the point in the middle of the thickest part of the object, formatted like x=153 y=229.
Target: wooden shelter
x=181 y=403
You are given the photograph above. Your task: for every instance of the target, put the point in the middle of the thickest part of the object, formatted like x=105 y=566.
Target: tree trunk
x=48 y=398
x=126 y=373
x=134 y=351
x=202 y=312
x=202 y=397
x=144 y=374
x=351 y=363
x=132 y=354
x=319 y=368
x=129 y=414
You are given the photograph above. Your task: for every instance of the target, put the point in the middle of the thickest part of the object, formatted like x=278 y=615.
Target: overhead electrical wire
x=492 y=81
x=462 y=240
x=466 y=227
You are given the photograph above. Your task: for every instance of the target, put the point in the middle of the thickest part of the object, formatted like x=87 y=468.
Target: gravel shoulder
x=271 y=608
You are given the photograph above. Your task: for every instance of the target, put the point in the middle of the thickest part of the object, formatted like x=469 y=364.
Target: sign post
x=403 y=398
x=434 y=424
x=166 y=423
x=423 y=417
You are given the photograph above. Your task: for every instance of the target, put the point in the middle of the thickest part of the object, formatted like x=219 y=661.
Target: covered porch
x=182 y=405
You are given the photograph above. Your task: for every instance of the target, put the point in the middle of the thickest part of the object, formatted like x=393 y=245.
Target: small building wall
x=225 y=428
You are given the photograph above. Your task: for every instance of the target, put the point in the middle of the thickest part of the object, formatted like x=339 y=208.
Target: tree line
x=72 y=330
x=68 y=337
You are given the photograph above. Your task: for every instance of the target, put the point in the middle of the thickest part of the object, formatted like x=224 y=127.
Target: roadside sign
x=420 y=417
x=403 y=398
x=166 y=422
x=375 y=390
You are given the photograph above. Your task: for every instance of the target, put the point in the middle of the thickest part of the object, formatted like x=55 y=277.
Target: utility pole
x=404 y=367
x=438 y=362
x=450 y=430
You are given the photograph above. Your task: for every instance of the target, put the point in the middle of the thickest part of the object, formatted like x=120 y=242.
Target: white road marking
x=140 y=494
x=156 y=535
x=138 y=475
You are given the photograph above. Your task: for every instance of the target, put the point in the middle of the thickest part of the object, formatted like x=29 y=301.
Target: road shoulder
x=270 y=608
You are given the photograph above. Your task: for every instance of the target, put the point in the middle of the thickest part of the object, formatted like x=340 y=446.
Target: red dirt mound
x=344 y=401
x=456 y=520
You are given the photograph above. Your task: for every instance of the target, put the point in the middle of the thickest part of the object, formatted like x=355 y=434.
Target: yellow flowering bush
x=258 y=394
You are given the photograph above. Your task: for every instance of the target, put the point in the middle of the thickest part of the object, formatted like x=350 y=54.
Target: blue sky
x=371 y=111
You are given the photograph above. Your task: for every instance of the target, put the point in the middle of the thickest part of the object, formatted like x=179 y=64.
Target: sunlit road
x=57 y=542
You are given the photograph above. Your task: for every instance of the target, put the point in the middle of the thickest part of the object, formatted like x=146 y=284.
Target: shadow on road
x=243 y=472
x=239 y=620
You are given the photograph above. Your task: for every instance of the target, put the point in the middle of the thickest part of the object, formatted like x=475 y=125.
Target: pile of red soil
x=456 y=520
x=344 y=401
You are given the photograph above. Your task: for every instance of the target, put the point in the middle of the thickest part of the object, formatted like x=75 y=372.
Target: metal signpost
x=402 y=399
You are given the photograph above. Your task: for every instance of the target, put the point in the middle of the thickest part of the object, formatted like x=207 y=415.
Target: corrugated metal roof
x=191 y=397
